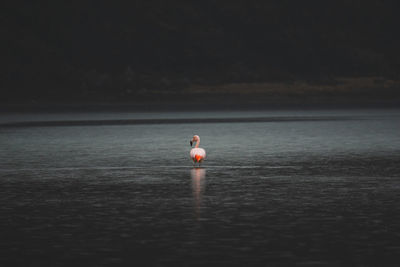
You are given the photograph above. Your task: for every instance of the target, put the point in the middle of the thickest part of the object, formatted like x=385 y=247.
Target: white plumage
x=197 y=154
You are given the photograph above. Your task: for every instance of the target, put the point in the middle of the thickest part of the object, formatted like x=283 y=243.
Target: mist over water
x=276 y=192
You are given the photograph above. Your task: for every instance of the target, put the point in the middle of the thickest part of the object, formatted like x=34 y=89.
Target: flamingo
x=197 y=154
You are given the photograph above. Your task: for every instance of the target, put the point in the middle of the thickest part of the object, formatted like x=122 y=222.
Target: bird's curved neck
x=197 y=143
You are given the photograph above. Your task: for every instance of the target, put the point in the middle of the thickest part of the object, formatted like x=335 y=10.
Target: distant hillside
x=98 y=50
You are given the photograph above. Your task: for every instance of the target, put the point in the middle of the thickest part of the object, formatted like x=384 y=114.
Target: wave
x=150 y=167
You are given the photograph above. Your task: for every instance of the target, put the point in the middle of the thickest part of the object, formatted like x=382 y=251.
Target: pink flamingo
x=197 y=154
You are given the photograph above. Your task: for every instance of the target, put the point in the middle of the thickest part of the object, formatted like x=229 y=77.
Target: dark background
x=158 y=51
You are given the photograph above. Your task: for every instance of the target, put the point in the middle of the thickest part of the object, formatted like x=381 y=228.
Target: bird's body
x=197 y=154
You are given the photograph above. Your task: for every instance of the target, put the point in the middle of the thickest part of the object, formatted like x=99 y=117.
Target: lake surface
x=278 y=188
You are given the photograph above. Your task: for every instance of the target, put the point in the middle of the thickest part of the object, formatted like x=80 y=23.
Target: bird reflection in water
x=198 y=176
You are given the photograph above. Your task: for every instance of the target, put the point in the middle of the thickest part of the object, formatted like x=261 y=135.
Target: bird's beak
x=191 y=143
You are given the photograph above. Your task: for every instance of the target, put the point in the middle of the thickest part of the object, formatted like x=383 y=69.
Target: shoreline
x=181 y=107
x=350 y=92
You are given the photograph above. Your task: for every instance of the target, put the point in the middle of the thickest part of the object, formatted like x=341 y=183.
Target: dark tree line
x=95 y=50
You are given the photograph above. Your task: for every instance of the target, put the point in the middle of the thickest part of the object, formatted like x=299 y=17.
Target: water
x=288 y=190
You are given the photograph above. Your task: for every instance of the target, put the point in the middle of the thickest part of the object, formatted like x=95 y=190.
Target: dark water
x=308 y=188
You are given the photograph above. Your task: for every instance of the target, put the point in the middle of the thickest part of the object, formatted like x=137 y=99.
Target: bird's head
x=195 y=138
